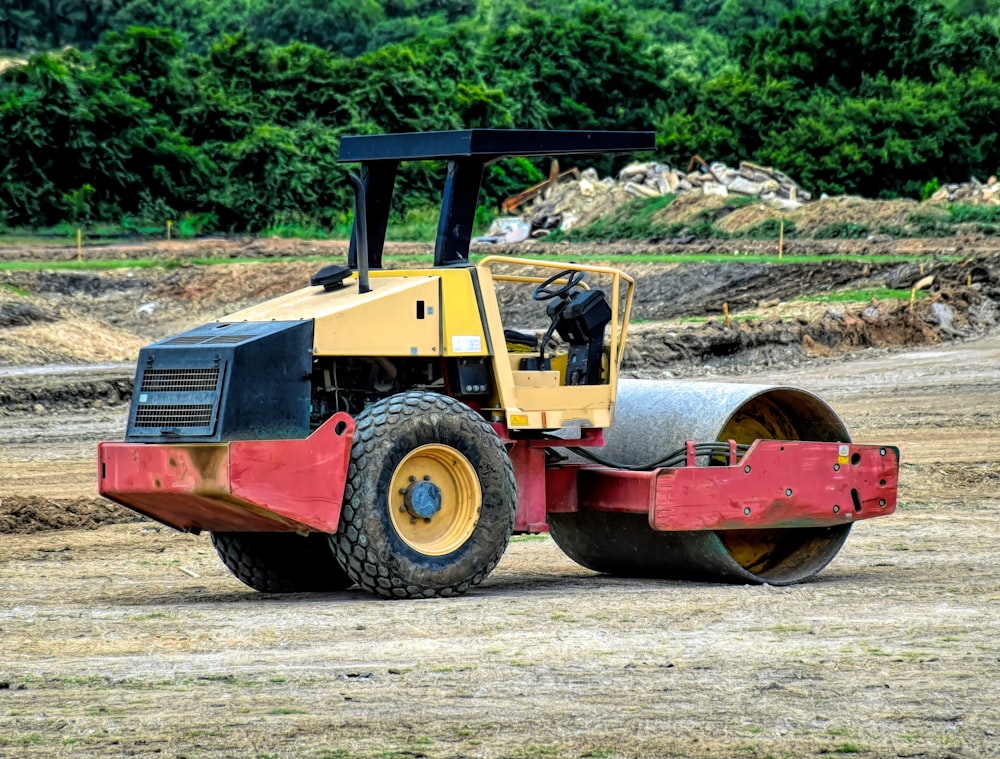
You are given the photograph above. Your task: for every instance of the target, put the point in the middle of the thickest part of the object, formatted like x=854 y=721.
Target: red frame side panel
x=247 y=485
x=777 y=484
x=780 y=485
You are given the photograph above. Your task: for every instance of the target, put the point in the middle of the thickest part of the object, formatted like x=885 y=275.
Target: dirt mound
x=229 y=287
x=68 y=340
x=89 y=388
x=21 y=515
x=14 y=314
x=744 y=346
x=872 y=215
x=38 y=330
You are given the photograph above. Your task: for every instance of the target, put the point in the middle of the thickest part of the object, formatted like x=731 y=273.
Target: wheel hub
x=434 y=499
x=422 y=498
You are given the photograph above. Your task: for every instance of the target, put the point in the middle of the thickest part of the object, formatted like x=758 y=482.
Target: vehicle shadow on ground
x=505 y=589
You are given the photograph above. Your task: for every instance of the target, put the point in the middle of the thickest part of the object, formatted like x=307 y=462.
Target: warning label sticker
x=466 y=344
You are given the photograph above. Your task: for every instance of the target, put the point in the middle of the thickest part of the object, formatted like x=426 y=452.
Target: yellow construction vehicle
x=390 y=428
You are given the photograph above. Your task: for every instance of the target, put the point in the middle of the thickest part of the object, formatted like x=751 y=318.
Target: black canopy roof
x=468 y=152
x=489 y=144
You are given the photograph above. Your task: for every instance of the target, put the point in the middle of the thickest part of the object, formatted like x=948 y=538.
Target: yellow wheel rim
x=435 y=499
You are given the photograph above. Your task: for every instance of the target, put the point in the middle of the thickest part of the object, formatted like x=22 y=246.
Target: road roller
x=391 y=428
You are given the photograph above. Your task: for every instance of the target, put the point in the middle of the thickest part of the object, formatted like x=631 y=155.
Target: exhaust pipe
x=361 y=232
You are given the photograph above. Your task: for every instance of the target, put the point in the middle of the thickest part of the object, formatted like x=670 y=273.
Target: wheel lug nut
x=427 y=478
x=427 y=520
x=402 y=509
x=402 y=491
x=413 y=520
x=412 y=478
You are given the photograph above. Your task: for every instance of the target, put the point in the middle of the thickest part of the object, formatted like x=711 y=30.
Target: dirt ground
x=122 y=638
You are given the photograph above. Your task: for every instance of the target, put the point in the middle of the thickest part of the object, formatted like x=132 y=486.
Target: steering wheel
x=548 y=289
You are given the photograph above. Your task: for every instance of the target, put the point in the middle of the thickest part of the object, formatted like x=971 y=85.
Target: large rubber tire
x=430 y=441
x=281 y=562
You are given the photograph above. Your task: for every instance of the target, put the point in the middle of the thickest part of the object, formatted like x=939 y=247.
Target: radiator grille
x=185 y=340
x=178 y=415
x=207 y=339
x=227 y=339
x=180 y=380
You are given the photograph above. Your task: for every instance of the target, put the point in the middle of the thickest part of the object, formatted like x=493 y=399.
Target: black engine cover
x=217 y=382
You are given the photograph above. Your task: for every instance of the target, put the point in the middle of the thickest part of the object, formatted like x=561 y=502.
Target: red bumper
x=776 y=484
x=246 y=485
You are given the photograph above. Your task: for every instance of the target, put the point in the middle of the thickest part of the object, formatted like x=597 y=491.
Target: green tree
x=587 y=71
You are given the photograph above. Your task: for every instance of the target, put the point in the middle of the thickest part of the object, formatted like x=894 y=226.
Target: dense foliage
x=229 y=112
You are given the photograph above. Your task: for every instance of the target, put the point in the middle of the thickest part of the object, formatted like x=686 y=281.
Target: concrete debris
x=565 y=204
x=972 y=192
x=711 y=179
x=943 y=315
x=506 y=230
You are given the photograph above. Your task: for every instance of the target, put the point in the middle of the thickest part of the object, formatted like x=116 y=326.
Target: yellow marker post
x=925 y=282
x=725 y=315
x=781 y=240
x=79 y=244
x=169 y=224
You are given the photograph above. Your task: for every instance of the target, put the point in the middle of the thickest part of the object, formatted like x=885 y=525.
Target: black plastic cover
x=330 y=277
x=218 y=382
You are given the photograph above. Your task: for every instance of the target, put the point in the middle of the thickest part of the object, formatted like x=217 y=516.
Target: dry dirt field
x=125 y=639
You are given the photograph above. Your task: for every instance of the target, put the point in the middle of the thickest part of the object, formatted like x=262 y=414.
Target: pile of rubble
x=567 y=200
x=971 y=193
x=655 y=179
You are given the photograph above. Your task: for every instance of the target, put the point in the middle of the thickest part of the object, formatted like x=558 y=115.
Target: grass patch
x=16 y=290
x=965 y=214
x=739 y=201
x=701 y=227
x=842 y=230
x=782 y=629
x=718 y=317
x=846 y=748
x=296 y=231
x=891 y=230
x=92 y=265
x=860 y=296
x=770 y=229
x=418 y=225
x=31 y=739
x=930 y=225
x=632 y=221
x=286 y=710
x=293 y=224
x=561 y=617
